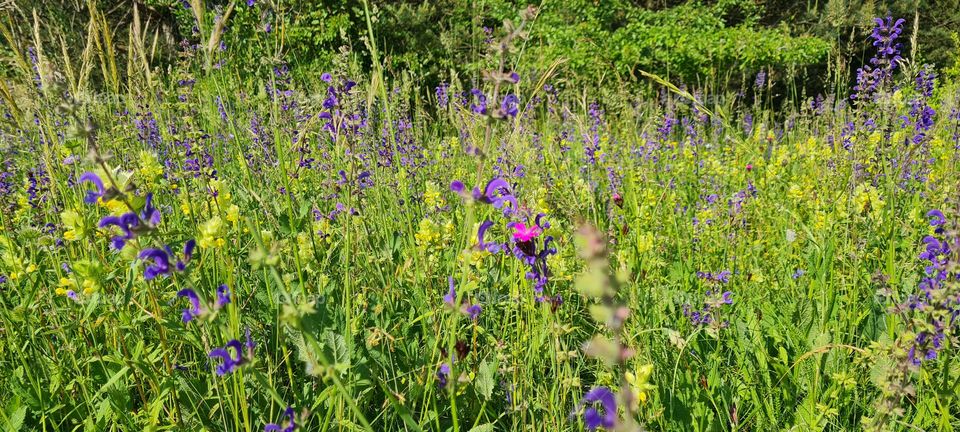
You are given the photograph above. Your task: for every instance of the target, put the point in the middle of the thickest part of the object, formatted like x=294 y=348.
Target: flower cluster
x=936 y=306
x=874 y=77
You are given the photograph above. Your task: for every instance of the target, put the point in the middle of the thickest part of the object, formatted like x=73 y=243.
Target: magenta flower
x=524 y=233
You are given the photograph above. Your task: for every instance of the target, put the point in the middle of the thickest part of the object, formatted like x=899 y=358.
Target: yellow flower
x=640 y=382
x=644 y=243
x=432 y=197
x=90 y=286
x=76 y=227
x=233 y=214
x=428 y=234
x=210 y=233
x=150 y=169
x=866 y=199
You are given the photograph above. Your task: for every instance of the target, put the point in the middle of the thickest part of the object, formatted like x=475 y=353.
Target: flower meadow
x=505 y=252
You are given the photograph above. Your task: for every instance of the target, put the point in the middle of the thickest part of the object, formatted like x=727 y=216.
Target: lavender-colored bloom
x=480 y=107
x=491 y=247
x=451 y=297
x=594 y=418
x=510 y=105
x=223 y=296
x=194 y=310
x=937 y=219
x=290 y=423
x=761 y=79
x=92 y=196
x=150 y=214
x=797 y=274
x=443 y=374
x=443 y=96
x=230 y=362
x=159 y=260
x=473 y=311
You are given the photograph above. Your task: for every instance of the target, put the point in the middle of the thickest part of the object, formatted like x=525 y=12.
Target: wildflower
x=443 y=374
x=491 y=247
x=451 y=297
x=126 y=223
x=510 y=105
x=290 y=424
x=92 y=196
x=523 y=233
x=640 y=382
x=473 y=311
x=161 y=260
x=210 y=233
x=497 y=192
x=194 y=310
x=229 y=362
x=250 y=344
x=223 y=296
x=593 y=418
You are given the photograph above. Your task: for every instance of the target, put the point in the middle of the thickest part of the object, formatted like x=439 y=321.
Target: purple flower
x=92 y=196
x=126 y=222
x=491 y=247
x=159 y=260
x=223 y=296
x=150 y=214
x=291 y=424
x=251 y=345
x=510 y=105
x=451 y=297
x=443 y=373
x=481 y=106
x=473 y=311
x=497 y=192
x=592 y=417
x=194 y=310
x=230 y=362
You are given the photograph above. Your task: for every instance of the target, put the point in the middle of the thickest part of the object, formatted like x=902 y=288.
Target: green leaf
x=485 y=379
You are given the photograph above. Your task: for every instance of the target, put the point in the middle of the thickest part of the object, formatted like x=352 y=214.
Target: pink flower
x=523 y=233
